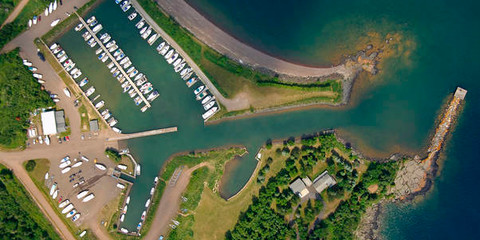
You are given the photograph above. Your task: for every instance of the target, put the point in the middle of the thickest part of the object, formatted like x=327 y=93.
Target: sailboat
x=55 y=5
x=46 y=11
x=50 y=8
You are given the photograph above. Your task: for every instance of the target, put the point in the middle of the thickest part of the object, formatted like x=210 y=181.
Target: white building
x=53 y=122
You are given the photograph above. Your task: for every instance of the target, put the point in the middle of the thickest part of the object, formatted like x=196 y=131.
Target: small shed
x=323 y=182
x=298 y=187
x=60 y=121
x=94 y=125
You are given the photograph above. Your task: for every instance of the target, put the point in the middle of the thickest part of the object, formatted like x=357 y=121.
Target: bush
x=113 y=154
x=30 y=166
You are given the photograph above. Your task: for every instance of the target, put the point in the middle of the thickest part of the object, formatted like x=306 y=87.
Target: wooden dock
x=143 y=134
x=119 y=67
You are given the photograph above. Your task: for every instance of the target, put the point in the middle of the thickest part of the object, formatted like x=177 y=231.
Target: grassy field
x=235 y=80
x=7 y=7
x=20 y=216
x=37 y=176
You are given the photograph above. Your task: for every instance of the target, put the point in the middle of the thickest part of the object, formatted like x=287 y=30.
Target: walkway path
x=143 y=134
x=170 y=204
x=15 y=12
x=224 y=43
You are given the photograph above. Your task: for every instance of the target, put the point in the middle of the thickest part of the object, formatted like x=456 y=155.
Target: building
x=298 y=187
x=323 y=182
x=94 y=125
x=53 y=122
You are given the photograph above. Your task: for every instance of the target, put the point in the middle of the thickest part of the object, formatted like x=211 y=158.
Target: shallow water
x=396 y=111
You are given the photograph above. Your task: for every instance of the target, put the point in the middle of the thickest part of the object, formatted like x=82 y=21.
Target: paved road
x=224 y=43
x=15 y=12
x=170 y=204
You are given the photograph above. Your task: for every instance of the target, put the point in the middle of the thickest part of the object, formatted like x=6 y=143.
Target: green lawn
x=7 y=7
x=19 y=215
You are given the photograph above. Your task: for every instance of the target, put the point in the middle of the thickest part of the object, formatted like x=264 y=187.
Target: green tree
x=30 y=166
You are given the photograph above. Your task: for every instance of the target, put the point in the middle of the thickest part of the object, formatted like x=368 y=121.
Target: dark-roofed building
x=298 y=187
x=60 y=121
x=94 y=125
x=323 y=182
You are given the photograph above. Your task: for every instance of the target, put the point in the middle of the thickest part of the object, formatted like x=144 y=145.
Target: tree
x=30 y=166
x=113 y=154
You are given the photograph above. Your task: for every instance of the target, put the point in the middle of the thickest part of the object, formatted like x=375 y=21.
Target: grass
x=232 y=78
x=37 y=176
x=26 y=203
x=7 y=8
x=84 y=119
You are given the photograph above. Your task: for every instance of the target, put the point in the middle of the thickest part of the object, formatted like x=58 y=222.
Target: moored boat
x=64 y=203
x=53 y=188
x=100 y=104
x=71 y=213
x=120 y=185
x=83 y=82
x=76 y=217
x=140 y=24
x=82 y=194
x=164 y=50
x=147 y=203
x=198 y=90
x=209 y=113
x=67 y=208
x=132 y=16
x=206 y=99
x=89 y=197
x=153 y=96
x=91 y=19
x=147 y=33
x=152 y=39
x=90 y=91
x=208 y=105
x=160 y=46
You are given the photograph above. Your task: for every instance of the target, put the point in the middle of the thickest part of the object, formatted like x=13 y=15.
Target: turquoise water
x=395 y=112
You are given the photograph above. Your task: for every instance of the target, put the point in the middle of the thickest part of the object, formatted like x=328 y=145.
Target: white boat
x=122 y=217
x=141 y=81
x=123 y=230
x=138 y=76
x=47 y=140
x=89 y=197
x=76 y=217
x=155 y=180
x=64 y=164
x=93 y=23
x=178 y=61
x=144 y=108
x=37 y=75
x=83 y=82
x=209 y=113
x=75 y=70
x=132 y=93
x=112 y=122
x=64 y=203
x=138 y=169
x=100 y=104
x=93 y=44
x=55 y=194
x=62 y=59
x=106 y=39
x=179 y=67
x=169 y=54
x=61 y=53
x=139 y=226
x=53 y=46
x=90 y=91
x=55 y=22
x=100 y=166
x=121 y=186
x=91 y=19
x=70 y=66
x=113 y=48
x=140 y=24
x=53 y=188
x=120 y=56
x=160 y=46
x=79 y=27
x=67 y=92
x=33 y=69
x=153 y=96
x=55 y=5
x=50 y=7
x=198 y=90
x=185 y=71
x=65 y=170
x=105 y=58
x=111 y=43
x=201 y=95
x=83 y=233
x=46 y=176
x=206 y=99
x=29 y=22
x=117 y=130
x=152 y=39
x=164 y=50
x=143 y=30
x=147 y=203
x=170 y=60
x=71 y=213
x=143 y=215
x=46 y=11
x=77 y=164
x=130 y=69
x=152 y=191
x=66 y=158
x=82 y=194
x=124 y=60
x=132 y=74
x=97 y=28
x=40 y=81
x=125 y=9
x=127 y=64
x=147 y=33
x=84 y=158
x=67 y=208
x=122 y=166
x=34 y=20
x=77 y=74
x=132 y=16
x=208 y=105
x=138 y=100
x=117 y=1
x=116 y=53
x=55 y=99
x=113 y=69
x=29 y=64
x=188 y=75
x=128 y=200
x=125 y=209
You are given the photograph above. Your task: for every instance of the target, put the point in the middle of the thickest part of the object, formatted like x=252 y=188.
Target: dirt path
x=170 y=204
x=15 y=12
x=224 y=43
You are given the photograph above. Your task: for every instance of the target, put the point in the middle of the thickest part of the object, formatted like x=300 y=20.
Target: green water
x=396 y=111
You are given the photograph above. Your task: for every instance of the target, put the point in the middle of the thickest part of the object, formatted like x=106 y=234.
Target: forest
x=20 y=217
x=20 y=95
x=277 y=213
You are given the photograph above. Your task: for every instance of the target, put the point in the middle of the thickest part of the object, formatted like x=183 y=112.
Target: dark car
x=41 y=56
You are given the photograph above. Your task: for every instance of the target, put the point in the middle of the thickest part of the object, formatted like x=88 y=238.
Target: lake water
x=394 y=111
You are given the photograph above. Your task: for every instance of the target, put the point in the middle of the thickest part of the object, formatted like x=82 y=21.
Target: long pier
x=143 y=134
x=114 y=60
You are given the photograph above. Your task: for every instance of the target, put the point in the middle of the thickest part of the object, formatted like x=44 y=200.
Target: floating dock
x=100 y=43
x=143 y=134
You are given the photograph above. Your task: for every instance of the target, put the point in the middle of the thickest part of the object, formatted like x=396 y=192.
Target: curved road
x=224 y=43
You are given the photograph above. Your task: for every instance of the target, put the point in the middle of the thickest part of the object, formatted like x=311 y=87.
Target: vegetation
x=30 y=165
x=113 y=154
x=276 y=213
x=13 y=29
x=231 y=78
x=20 y=95
x=20 y=217
x=7 y=7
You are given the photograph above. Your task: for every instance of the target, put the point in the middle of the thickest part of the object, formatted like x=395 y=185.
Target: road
x=15 y=12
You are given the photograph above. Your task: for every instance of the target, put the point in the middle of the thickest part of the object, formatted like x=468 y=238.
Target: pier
x=100 y=43
x=143 y=134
